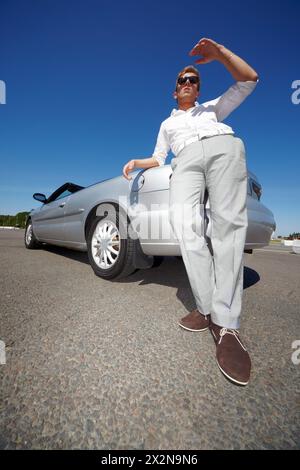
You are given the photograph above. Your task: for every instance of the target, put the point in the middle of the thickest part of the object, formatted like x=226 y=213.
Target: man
x=209 y=156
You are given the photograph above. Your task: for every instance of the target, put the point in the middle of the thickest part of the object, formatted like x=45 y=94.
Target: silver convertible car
x=124 y=225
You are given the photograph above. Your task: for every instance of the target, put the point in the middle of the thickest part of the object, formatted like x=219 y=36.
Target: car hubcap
x=29 y=234
x=106 y=244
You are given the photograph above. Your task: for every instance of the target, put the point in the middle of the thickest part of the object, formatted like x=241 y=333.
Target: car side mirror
x=39 y=197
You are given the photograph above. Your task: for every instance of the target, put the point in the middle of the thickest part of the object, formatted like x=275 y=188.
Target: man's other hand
x=128 y=167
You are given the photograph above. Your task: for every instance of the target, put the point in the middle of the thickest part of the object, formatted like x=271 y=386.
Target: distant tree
x=21 y=219
x=18 y=220
x=294 y=235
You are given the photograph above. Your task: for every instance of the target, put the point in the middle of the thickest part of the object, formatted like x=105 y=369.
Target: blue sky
x=88 y=83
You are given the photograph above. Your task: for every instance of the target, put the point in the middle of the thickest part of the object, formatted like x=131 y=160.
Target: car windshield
x=64 y=194
x=65 y=190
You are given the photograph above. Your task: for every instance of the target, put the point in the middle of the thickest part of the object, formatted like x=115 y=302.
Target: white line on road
x=275 y=251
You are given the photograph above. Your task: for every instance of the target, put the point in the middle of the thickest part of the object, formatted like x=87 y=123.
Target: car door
x=75 y=214
x=49 y=222
x=150 y=192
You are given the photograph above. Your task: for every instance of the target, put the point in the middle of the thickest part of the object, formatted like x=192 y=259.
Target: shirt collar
x=178 y=111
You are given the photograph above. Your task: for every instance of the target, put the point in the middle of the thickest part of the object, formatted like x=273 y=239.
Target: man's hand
x=210 y=50
x=128 y=167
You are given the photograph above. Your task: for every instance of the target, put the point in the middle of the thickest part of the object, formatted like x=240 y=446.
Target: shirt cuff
x=248 y=84
x=160 y=160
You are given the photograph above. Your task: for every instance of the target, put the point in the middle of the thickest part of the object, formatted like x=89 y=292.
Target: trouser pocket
x=173 y=163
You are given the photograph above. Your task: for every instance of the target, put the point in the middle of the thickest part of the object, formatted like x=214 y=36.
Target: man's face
x=187 y=91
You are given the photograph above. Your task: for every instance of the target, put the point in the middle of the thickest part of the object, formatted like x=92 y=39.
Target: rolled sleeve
x=232 y=98
x=162 y=146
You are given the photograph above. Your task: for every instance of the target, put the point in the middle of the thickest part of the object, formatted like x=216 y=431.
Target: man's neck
x=186 y=106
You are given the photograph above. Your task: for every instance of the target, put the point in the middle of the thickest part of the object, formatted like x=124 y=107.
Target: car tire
x=101 y=238
x=31 y=243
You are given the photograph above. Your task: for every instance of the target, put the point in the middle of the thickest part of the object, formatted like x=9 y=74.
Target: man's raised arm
x=211 y=50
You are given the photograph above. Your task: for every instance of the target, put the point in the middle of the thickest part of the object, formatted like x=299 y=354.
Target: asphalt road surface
x=94 y=364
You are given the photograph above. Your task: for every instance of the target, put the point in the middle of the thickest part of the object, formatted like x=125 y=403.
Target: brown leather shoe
x=232 y=356
x=195 y=321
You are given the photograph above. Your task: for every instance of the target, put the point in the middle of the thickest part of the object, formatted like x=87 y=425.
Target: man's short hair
x=189 y=68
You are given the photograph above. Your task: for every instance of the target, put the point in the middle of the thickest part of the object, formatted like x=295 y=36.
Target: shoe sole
x=231 y=378
x=190 y=329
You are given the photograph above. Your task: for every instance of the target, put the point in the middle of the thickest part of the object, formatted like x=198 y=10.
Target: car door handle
x=62 y=204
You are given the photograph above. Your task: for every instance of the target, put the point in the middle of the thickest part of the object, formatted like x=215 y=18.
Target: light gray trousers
x=217 y=163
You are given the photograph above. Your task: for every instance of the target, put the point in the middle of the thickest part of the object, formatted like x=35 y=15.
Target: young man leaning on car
x=209 y=155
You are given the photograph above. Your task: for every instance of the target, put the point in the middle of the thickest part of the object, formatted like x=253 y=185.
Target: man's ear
x=175 y=95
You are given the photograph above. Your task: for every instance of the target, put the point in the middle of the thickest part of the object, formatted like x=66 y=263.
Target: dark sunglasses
x=193 y=80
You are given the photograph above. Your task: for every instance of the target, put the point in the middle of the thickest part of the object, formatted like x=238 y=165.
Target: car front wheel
x=29 y=238
x=110 y=254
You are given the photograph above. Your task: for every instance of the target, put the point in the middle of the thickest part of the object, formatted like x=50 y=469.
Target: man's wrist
x=224 y=53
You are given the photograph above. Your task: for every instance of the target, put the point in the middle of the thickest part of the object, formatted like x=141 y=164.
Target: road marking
x=275 y=251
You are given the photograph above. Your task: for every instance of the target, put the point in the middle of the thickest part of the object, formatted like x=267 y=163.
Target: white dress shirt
x=184 y=127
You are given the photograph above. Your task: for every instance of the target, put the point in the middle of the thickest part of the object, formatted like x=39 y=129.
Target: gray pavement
x=94 y=364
